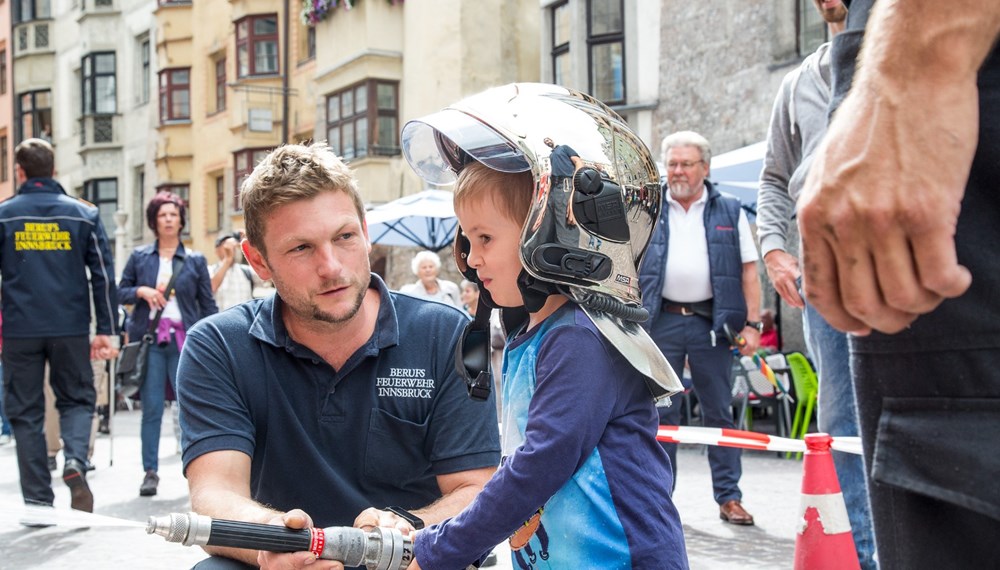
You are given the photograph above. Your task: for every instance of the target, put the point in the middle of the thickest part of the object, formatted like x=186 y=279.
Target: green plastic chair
x=806 y=391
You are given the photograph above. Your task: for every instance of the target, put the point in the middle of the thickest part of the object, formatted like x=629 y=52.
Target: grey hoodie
x=798 y=123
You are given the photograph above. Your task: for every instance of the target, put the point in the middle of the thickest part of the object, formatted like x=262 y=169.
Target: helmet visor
x=438 y=146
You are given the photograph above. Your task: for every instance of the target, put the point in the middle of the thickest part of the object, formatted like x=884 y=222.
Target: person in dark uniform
x=48 y=243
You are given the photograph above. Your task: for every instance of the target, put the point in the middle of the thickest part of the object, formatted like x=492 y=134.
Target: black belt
x=701 y=308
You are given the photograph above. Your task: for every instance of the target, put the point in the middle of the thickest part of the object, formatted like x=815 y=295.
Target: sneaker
x=75 y=476
x=38 y=515
x=52 y=463
x=149 y=484
x=5 y=438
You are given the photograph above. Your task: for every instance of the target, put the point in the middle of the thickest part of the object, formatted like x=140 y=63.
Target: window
x=306 y=48
x=144 y=70
x=363 y=119
x=28 y=10
x=220 y=202
x=4 y=163
x=3 y=71
x=606 y=43
x=99 y=84
x=257 y=45
x=179 y=189
x=811 y=27
x=35 y=115
x=175 y=94
x=41 y=36
x=220 y=84
x=103 y=193
x=561 y=26
x=244 y=161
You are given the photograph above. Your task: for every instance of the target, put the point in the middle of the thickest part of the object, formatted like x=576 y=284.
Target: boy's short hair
x=291 y=173
x=476 y=181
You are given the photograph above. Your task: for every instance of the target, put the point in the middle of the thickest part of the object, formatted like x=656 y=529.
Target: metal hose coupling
x=377 y=549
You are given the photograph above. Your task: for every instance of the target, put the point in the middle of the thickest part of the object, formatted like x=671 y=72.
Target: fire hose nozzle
x=377 y=549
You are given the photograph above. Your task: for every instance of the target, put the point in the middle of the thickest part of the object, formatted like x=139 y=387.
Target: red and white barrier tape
x=747 y=439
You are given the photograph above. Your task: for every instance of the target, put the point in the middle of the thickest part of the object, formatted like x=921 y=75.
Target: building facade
x=238 y=77
x=147 y=95
x=7 y=176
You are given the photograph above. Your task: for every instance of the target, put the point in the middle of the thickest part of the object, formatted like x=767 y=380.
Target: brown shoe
x=733 y=513
x=75 y=476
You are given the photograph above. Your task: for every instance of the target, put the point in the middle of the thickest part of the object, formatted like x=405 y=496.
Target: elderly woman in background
x=426 y=265
x=144 y=280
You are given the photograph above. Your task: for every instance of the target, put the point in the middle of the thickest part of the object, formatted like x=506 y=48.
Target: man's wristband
x=756 y=325
x=416 y=522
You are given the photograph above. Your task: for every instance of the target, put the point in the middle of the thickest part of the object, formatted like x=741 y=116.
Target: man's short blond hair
x=291 y=173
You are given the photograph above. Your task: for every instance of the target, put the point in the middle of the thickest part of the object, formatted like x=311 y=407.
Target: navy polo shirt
x=334 y=442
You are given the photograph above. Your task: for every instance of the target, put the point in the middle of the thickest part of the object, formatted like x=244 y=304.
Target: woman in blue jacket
x=143 y=284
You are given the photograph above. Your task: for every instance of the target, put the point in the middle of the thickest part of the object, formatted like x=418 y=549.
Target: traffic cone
x=823 y=540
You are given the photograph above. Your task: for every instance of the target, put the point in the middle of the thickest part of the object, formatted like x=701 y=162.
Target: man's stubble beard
x=323 y=316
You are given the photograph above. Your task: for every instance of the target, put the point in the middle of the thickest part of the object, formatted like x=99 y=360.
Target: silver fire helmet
x=596 y=199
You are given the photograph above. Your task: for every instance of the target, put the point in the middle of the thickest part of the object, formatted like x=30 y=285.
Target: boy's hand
x=372 y=517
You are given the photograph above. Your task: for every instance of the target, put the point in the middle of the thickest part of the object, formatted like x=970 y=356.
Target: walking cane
x=112 y=407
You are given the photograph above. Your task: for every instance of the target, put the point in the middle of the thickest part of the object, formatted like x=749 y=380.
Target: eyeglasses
x=683 y=165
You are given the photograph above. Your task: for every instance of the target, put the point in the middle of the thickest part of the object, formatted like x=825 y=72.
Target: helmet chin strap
x=534 y=292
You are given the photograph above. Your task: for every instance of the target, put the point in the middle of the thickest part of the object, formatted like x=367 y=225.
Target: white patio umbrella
x=426 y=219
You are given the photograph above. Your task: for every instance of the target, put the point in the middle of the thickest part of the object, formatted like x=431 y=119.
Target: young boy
x=584 y=483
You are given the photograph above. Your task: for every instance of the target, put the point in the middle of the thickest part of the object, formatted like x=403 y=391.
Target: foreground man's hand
x=880 y=207
x=296 y=519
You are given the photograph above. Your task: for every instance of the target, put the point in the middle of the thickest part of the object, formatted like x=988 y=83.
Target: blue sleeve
x=206 y=300
x=102 y=279
x=572 y=404
x=127 y=285
x=214 y=415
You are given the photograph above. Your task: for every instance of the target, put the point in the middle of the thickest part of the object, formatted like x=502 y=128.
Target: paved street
x=770 y=486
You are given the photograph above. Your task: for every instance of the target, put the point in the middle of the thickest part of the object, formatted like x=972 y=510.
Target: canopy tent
x=426 y=219
x=738 y=173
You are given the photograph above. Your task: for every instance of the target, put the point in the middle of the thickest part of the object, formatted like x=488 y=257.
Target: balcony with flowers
x=315 y=11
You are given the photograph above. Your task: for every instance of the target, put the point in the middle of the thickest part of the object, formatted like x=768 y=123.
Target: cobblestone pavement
x=770 y=488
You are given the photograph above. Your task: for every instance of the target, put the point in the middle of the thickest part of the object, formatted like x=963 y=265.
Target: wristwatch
x=417 y=522
x=757 y=325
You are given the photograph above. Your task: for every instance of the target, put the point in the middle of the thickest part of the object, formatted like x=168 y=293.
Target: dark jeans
x=72 y=382
x=4 y=424
x=680 y=336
